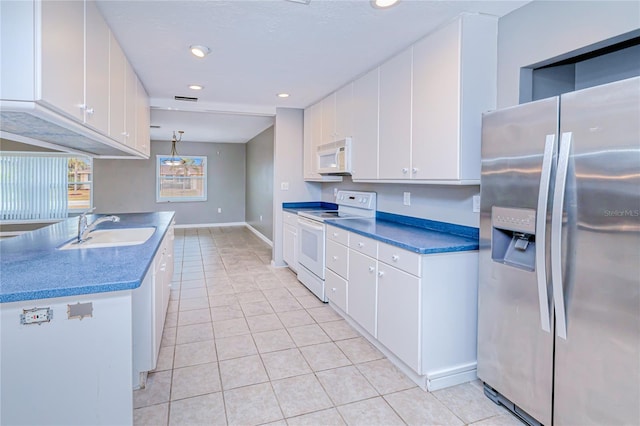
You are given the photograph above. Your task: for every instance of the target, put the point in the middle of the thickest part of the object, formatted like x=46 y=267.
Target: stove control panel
x=358 y=199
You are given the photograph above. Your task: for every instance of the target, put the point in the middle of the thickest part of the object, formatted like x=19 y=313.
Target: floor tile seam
x=283 y=350
x=373 y=397
x=446 y=406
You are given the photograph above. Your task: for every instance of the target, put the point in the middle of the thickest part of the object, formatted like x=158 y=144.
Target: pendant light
x=175 y=159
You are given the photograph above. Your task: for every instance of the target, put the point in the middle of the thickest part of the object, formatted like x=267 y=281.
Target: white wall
x=452 y=204
x=545 y=29
x=287 y=168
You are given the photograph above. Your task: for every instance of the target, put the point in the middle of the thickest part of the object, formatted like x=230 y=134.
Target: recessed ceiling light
x=196 y=87
x=199 y=51
x=383 y=4
x=283 y=95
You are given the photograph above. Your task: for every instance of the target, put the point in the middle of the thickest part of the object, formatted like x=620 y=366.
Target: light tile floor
x=246 y=344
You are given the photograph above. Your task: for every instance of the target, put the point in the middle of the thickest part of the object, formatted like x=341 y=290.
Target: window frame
x=71 y=211
x=202 y=198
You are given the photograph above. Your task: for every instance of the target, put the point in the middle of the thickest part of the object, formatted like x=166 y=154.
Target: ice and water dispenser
x=513 y=235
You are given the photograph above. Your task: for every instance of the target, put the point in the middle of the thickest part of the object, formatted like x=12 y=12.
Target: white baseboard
x=259 y=235
x=209 y=225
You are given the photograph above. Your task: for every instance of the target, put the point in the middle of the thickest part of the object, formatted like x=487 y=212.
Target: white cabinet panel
x=142 y=139
x=117 y=62
x=364 y=145
x=337 y=258
x=96 y=113
x=399 y=258
x=344 y=112
x=336 y=289
x=361 y=290
x=62 y=60
x=328 y=132
x=313 y=126
x=130 y=87
x=399 y=314
x=363 y=245
x=338 y=235
x=395 y=117
x=290 y=246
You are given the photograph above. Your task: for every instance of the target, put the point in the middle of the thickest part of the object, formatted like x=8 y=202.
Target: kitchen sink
x=112 y=238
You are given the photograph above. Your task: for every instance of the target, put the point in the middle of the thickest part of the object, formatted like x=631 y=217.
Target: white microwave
x=334 y=158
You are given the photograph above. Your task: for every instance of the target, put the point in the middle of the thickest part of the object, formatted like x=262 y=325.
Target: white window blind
x=33 y=187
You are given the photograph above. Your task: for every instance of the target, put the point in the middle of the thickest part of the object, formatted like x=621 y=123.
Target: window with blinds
x=47 y=186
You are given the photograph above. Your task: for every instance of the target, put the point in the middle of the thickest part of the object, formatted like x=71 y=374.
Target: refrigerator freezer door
x=515 y=353
x=597 y=370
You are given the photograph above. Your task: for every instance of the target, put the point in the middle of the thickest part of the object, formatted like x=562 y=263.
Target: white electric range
x=312 y=230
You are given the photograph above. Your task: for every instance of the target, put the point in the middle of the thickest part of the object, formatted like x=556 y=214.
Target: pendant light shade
x=175 y=159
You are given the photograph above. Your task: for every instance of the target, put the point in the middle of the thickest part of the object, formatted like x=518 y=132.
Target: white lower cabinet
x=290 y=240
x=399 y=314
x=336 y=289
x=149 y=310
x=419 y=309
x=362 y=292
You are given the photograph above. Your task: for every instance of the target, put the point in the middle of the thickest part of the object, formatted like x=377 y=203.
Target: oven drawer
x=336 y=290
x=364 y=245
x=337 y=258
x=402 y=259
x=338 y=235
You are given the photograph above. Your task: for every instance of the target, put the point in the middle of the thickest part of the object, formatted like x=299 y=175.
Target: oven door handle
x=311 y=224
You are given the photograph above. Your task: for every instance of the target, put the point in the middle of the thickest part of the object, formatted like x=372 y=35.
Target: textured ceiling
x=261 y=48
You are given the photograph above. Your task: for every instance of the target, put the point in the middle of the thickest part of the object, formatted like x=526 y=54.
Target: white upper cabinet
x=395 y=117
x=344 y=112
x=96 y=78
x=454 y=82
x=143 y=119
x=66 y=85
x=117 y=91
x=62 y=60
x=313 y=132
x=328 y=132
x=130 y=87
x=364 y=144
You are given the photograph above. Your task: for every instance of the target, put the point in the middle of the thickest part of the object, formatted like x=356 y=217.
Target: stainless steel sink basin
x=112 y=238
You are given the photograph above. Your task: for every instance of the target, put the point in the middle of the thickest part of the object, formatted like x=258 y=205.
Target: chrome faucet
x=85 y=229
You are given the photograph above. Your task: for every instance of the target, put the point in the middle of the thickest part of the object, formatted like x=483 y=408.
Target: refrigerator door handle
x=556 y=235
x=541 y=232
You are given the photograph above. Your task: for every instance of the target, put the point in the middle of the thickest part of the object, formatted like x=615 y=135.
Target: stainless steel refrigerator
x=559 y=289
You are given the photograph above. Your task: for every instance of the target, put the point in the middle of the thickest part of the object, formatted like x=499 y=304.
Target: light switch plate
x=407 y=199
x=284 y=186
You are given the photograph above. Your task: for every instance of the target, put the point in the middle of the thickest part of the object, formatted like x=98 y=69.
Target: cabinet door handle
x=405 y=170
x=395 y=257
x=335 y=234
x=89 y=111
x=380 y=273
x=334 y=289
x=414 y=170
x=371 y=269
x=360 y=245
x=335 y=257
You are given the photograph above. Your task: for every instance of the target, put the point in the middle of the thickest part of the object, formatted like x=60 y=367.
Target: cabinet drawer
x=338 y=235
x=290 y=218
x=364 y=245
x=337 y=258
x=336 y=288
x=399 y=258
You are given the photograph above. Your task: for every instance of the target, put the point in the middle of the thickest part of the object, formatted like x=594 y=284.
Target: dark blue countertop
x=31 y=266
x=308 y=206
x=417 y=235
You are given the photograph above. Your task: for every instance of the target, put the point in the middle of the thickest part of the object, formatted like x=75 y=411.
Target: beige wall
x=259 y=189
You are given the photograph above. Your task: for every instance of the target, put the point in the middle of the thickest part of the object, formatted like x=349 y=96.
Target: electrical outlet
x=406 y=199
x=219 y=209
x=476 y=203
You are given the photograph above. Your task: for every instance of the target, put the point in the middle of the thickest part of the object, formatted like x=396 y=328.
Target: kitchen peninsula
x=79 y=326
